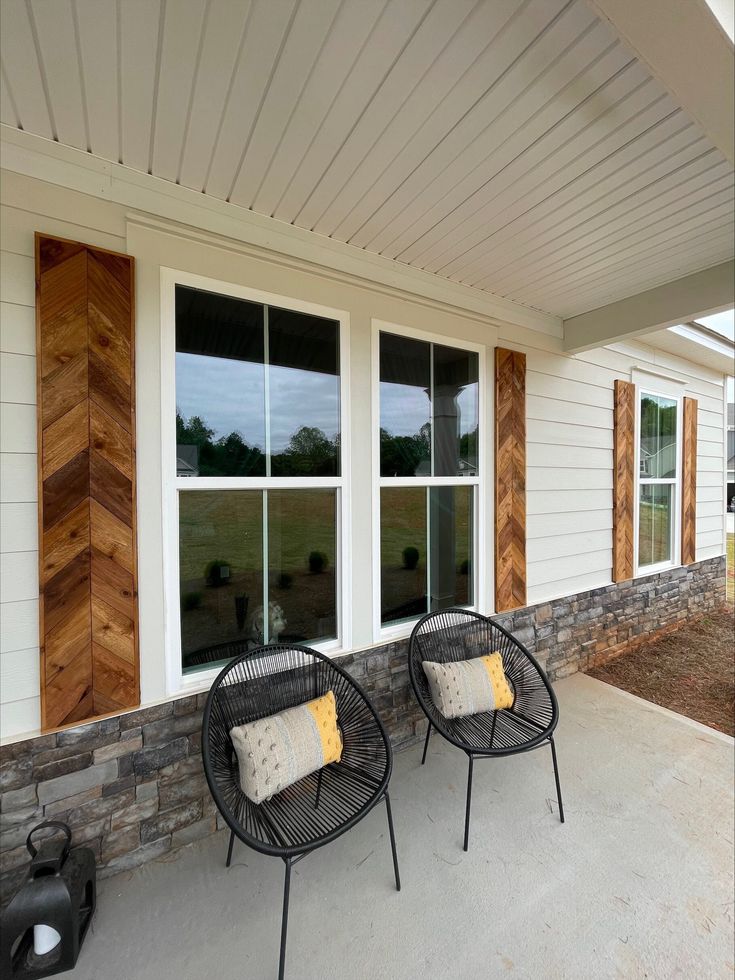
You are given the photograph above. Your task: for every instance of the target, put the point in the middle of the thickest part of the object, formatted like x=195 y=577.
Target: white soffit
x=514 y=146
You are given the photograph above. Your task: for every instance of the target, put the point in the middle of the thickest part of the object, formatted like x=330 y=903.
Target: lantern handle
x=57 y=825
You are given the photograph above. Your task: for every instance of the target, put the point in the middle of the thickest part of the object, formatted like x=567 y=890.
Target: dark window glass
x=456 y=411
x=302 y=559
x=220 y=385
x=220 y=573
x=655 y=523
x=450 y=550
x=249 y=377
x=658 y=437
x=405 y=406
x=406 y=539
x=402 y=553
x=303 y=380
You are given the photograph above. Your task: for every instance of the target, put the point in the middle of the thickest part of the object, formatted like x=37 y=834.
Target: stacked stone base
x=132 y=787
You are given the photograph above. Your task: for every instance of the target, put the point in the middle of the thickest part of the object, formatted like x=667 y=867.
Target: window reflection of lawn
x=226 y=526
x=654 y=533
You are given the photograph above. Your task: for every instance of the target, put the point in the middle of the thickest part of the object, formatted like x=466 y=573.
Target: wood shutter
x=510 y=479
x=689 y=482
x=624 y=481
x=86 y=500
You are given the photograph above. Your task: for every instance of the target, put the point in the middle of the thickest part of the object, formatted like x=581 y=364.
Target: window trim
x=176 y=681
x=641 y=389
x=385 y=634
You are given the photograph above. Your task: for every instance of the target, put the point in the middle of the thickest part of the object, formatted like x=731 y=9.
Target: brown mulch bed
x=691 y=671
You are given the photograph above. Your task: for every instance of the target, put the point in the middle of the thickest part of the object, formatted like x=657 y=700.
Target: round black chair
x=319 y=808
x=458 y=634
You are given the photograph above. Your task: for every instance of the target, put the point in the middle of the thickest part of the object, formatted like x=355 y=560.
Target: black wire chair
x=320 y=807
x=458 y=634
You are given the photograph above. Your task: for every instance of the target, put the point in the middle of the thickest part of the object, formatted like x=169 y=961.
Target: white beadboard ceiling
x=516 y=146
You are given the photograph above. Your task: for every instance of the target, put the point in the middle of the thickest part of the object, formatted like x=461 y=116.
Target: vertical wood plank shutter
x=86 y=471
x=510 y=479
x=689 y=482
x=623 y=481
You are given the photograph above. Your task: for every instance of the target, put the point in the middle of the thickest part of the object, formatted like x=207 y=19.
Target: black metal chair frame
x=452 y=635
x=319 y=808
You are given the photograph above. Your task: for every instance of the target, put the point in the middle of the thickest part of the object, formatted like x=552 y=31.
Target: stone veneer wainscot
x=131 y=787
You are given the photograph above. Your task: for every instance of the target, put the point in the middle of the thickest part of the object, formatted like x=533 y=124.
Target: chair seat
x=495 y=732
x=292 y=822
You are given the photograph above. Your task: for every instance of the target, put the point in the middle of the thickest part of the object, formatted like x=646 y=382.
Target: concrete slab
x=637 y=883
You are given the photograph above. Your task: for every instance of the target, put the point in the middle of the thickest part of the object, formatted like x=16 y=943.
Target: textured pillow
x=469 y=687
x=276 y=751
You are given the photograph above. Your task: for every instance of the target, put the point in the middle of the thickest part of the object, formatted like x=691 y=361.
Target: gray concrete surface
x=637 y=883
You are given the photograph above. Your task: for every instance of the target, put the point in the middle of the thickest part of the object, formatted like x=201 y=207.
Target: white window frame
x=176 y=681
x=675 y=482
x=384 y=634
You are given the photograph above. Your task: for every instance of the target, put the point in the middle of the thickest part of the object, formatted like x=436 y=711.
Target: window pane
x=456 y=411
x=402 y=553
x=220 y=385
x=220 y=572
x=658 y=437
x=450 y=551
x=303 y=379
x=302 y=557
x=405 y=407
x=655 y=523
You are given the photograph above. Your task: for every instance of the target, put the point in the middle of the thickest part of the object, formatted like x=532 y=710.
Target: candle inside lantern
x=45 y=938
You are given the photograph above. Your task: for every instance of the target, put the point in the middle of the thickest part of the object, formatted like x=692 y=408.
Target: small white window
x=657 y=519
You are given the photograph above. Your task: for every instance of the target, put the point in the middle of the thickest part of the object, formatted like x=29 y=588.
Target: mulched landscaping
x=691 y=671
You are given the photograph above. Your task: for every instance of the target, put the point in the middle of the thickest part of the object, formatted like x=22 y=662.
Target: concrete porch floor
x=637 y=883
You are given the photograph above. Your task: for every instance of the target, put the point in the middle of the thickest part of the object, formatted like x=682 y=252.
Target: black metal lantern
x=57 y=900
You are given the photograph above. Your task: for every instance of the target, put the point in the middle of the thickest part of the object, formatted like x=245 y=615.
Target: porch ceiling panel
x=517 y=146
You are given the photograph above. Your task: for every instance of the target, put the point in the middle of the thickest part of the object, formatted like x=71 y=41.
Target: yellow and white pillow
x=469 y=687
x=276 y=751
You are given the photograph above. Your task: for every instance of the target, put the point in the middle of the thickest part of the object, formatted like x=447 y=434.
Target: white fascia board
x=46 y=160
x=687 y=50
x=708 y=291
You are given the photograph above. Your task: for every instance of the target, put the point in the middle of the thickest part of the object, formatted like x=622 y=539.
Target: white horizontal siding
x=569 y=458
x=68 y=215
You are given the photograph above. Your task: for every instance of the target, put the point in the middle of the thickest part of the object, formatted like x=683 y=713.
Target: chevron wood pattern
x=689 y=482
x=624 y=481
x=86 y=439
x=510 y=479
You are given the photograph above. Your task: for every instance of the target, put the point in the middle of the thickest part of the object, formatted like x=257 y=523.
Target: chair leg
x=426 y=744
x=393 y=842
x=284 y=921
x=556 y=777
x=469 y=801
x=318 y=789
x=229 y=849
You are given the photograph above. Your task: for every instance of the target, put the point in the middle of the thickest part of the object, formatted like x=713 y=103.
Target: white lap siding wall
x=27 y=206
x=569 y=410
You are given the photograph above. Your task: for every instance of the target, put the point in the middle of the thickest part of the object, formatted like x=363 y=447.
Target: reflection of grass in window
x=227 y=525
x=654 y=533
x=403 y=524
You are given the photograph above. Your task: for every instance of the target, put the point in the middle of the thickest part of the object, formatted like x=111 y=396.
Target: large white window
x=657 y=518
x=427 y=448
x=255 y=465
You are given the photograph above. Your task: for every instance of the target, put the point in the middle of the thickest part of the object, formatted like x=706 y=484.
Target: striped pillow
x=469 y=687
x=276 y=751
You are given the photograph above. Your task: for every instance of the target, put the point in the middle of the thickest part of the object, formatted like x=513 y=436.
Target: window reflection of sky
x=229 y=396
x=404 y=409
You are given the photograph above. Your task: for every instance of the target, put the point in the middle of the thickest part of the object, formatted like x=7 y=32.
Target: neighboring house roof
x=187 y=460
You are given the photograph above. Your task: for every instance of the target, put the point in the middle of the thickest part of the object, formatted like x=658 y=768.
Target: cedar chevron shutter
x=86 y=473
x=689 y=482
x=623 y=481
x=510 y=479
